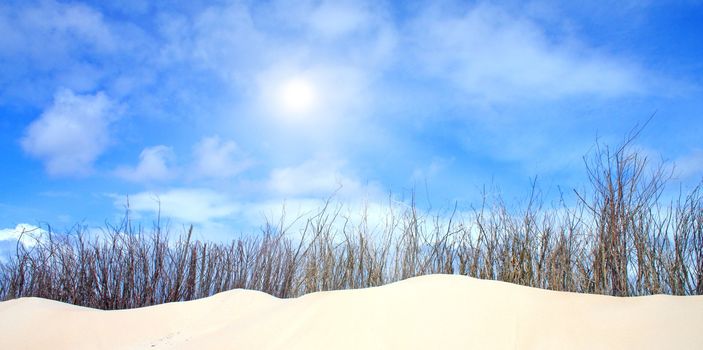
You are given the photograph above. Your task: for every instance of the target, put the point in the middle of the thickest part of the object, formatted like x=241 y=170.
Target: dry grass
x=618 y=239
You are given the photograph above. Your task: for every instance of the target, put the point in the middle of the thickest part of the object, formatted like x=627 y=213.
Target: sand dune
x=429 y=312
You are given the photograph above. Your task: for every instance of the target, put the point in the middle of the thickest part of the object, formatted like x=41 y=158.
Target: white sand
x=430 y=312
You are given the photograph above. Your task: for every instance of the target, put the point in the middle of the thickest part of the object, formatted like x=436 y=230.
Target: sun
x=297 y=96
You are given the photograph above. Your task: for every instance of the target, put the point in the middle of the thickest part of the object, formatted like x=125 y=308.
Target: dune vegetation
x=618 y=237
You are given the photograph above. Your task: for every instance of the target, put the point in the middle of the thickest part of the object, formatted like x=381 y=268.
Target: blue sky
x=221 y=111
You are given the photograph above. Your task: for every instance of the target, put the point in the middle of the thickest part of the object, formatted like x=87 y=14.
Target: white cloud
x=57 y=26
x=219 y=216
x=212 y=158
x=71 y=133
x=690 y=165
x=73 y=20
x=373 y=215
x=335 y=19
x=318 y=177
x=47 y=44
x=370 y=23
x=27 y=234
x=436 y=166
x=213 y=39
x=218 y=158
x=302 y=189
x=188 y=205
x=496 y=56
x=153 y=165
x=61 y=40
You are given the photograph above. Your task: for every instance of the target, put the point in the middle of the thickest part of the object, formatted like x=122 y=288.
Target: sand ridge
x=428 y=312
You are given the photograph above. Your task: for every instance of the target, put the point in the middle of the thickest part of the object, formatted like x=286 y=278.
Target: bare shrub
x=619 y=238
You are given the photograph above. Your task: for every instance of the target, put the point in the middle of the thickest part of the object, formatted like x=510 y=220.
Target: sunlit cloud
x=496 y=56
x=153 y=165
x=191 y=205
x=26 y=234
x=318 y=177
x=71 y=133
x=231 y=108
x=690 y=165
x=217 y=158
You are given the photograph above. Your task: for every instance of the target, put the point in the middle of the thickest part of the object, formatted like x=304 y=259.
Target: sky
x=217 y=113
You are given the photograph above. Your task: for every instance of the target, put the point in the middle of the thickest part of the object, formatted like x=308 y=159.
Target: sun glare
x=297 y=96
